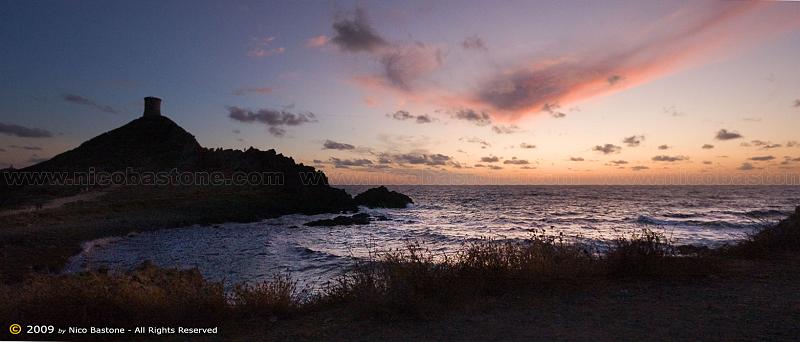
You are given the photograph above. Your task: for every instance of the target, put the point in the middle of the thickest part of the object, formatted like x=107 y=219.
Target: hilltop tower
x=152 y=107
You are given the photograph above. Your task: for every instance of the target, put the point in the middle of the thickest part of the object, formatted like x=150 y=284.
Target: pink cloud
x=688 y=37
x=261 y=47
x=318 y=41
x=684 y=39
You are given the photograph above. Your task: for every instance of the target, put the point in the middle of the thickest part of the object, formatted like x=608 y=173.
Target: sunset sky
x=394 y=90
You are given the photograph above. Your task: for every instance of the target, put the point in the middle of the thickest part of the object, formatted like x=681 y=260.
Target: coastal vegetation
x=410 y=282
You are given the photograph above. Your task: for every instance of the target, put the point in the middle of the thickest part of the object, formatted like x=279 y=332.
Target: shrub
x=770 y=239
x=276 y=297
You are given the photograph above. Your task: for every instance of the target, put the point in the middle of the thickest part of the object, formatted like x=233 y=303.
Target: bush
x=276 y=297
x=770 y=240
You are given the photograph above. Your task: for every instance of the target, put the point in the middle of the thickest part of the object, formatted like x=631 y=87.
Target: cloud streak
x=404 y=115
x=332 y=145
x=24 y=132
x=607 y=148
x=633 y=141
x=274 y=119
x=83 y=101
x=724 y=134
x=477 y=117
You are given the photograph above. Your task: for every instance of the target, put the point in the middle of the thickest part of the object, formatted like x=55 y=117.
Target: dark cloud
x=272 y=118
x=424 y=118
x=524 y=88
x=614 y=79
x=707 y=146
x=277 y=131
x=495 y=167
x=663 y=147
x=792 y=143
x=490 y=159
x=456 y=165
x=356 y=34
x=619 y=162
x=633 y=141
x=478 y=118
x=404 y=64
x=724 y=134
x=639 y=168
x=29 y=148
x=762 y=158
x=664 y=158
x=787 y=160
x=746 y=167
x=607 y=148
x=796 y=103
x=24 y=132
x=515 y=161
x=403 y=115
x=707 y=162
x=476 y=140
x=510 y=129
x=552 y=108
x=430 y=159
x=80 y=100
x=764 y=145
x=474 y=43
x=576 y=159
x=347 y=163
x=332 y=145
x=524 y=145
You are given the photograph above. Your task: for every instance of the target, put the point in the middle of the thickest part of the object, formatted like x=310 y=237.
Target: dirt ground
x=755 y=301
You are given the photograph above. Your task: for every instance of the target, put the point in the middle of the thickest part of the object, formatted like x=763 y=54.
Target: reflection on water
x=442 y=219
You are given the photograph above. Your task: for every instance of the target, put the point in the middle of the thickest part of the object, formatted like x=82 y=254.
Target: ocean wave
x=679 y=215
x=647 y=220
x=765 y=213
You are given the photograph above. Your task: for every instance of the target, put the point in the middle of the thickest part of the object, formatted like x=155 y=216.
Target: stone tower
x=152 y=107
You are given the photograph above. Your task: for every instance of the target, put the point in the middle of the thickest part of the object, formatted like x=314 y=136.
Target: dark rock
x=341 y=221
x=381 y=197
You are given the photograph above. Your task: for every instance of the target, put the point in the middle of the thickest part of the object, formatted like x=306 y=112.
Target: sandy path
x=58 y=202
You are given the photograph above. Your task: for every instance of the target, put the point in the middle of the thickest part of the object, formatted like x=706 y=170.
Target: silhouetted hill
x=155 y=143
x=148 y=143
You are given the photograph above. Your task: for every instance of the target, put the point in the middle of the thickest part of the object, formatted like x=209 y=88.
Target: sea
x=442 y=219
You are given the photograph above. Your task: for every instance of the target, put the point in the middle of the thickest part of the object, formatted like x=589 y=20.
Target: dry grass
x=277 y=297
x=416 y=281
x=770 y=240
x=147 y=295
